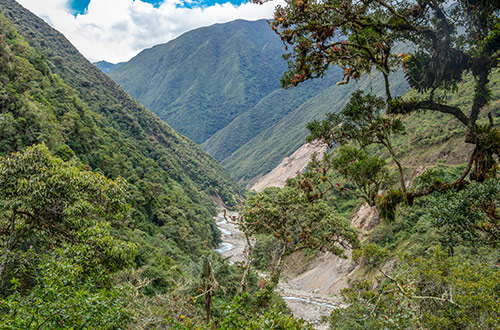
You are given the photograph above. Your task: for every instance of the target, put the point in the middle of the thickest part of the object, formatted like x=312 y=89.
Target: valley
x=230 y=101
x=356 y=145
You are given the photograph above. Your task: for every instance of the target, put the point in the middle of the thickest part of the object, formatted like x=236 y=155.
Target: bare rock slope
x=288 y=167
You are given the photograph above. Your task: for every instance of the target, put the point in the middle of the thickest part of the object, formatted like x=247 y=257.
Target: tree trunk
x=9 y=246
x=399 y=166
x=208 y=303
x=483 y=161
x=248 y=264
x=276 y=271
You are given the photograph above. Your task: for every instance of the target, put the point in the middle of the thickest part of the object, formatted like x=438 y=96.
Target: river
x=306 y=304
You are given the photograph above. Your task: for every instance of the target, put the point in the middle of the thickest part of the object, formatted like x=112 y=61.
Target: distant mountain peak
x=108 y=67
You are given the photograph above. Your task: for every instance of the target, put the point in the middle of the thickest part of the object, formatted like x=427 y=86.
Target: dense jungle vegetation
x=66 y=230
x=106 y=212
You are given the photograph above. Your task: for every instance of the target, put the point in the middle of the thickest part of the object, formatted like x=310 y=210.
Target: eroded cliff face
x=326 y=273
x=288 y=167
x=322 y=278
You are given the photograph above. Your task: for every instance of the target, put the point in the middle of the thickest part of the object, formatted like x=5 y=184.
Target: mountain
x=265 y=151
x=108 y=67
x=201 y=81
x=51 y=94
x=219 y=85
x=268 y=112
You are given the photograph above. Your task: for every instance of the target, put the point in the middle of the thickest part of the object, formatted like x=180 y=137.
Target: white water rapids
x=224 y=247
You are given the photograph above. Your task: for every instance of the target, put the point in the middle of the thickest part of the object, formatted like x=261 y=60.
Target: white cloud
x=116 y=30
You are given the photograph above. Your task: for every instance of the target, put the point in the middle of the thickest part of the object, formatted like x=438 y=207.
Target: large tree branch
x=407 y=107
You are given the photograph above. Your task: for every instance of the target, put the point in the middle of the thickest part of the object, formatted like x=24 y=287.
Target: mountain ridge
x=107 y=67
x=221 y=85
x=88 y=80
x=210 y=98
x=58 y=98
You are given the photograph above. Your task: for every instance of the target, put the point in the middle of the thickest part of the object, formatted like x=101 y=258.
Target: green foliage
x=470 y=215
x=239 y=315
x=57 y=251
x=419 y=285
x=223 y=98
x=46 y=202
x=266 y=150
x=51 y=94
x=388 y=203
x=272 y=319
x=359 y=125
x=299 y=219
x=361 y=121
x=413 y=227
x=437 y=292
x=367 y=173
x=361 y=36
x=66 y=296
x=64 y=152
x=371 y=255
x=265 y=247
x=451 y=44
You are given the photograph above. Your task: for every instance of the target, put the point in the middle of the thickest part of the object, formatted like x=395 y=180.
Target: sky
x=117 y=30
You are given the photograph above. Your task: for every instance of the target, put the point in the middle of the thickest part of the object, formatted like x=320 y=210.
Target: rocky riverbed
x=303 y=302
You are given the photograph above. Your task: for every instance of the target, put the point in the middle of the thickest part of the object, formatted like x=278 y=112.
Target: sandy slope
x=304 y=300
x=311 y=288
x=288 y=167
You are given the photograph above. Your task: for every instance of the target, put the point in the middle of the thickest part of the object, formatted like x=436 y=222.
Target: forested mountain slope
x=236 y=136
x=150 y=137
x=219 y=85
x=264 y=152
x=201 y=81
x=51 y=94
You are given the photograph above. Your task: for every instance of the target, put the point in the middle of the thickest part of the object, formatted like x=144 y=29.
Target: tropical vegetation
x=106 y=212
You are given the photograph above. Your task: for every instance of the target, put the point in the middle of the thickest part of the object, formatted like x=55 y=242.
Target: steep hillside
x=268 y=112
x=201 y=81
x=433 y=141
x=50 y=94
x=265 y=151
x=289 y=167
x=219 y=86
x=151 y=136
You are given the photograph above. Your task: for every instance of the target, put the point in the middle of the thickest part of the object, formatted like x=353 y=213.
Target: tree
x=447 y=43
x=57 y=253
x=470 y=215
x=298 y=220
x=435 y=292
x=450 y=43
x=361 y=123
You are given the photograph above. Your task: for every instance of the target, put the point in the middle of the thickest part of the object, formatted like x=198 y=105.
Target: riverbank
x=304 y=303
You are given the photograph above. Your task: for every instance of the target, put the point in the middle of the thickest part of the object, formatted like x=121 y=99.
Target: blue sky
x=80 y=6
x=117 y=30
